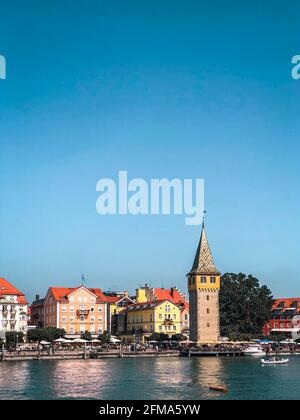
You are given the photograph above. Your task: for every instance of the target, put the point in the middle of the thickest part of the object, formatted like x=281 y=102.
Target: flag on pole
x=82 y=279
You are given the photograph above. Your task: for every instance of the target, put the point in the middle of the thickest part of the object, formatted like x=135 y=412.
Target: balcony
x=84 y=312
x=168 y=321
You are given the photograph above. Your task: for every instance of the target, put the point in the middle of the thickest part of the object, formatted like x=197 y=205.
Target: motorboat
x=274 y=361
x=254 y=350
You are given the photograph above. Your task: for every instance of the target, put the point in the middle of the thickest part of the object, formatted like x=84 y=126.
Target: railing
x=83 y=312
x=168 y=321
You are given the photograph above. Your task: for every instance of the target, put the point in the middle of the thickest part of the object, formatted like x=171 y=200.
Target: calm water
x=149 y=378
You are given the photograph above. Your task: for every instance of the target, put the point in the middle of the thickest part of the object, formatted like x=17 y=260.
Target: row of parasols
x=78 y=341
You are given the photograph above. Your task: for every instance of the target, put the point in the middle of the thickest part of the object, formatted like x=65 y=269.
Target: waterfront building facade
x=116 y=302
x=285 y=318
x=13 y=308
x=204 y=287
x=37 y=312
x=76 y=310
x=146 y=318
x=149 y=294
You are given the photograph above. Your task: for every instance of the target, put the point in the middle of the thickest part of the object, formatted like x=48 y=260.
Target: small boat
x=219 y=388
x=254 y=350
x=274 y=361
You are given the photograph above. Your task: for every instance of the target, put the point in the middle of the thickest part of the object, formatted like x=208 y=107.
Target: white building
x=13 y=308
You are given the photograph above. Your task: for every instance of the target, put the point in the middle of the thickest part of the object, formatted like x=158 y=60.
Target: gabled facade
x=13 y=308
x=146 y=294
x=146 y=318
x=115 y=304
x=76 y=310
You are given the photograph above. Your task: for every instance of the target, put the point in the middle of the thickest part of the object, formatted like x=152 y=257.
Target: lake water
x=149 y=378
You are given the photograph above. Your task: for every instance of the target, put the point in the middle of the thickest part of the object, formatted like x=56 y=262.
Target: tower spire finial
x=204 y=212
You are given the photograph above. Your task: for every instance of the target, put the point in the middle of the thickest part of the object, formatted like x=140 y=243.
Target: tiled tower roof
x=203 y=262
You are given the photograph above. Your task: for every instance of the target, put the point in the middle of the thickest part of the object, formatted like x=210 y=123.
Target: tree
x=178 y=337
x=45 y=334
x=159 y=337
x=86 y=335
x=13 y=338
x=245 y=306
x=104 y=338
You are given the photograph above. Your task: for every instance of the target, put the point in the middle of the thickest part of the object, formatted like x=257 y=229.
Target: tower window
x=207 y=310
x=207 y=297
x=208 y=325
x=212 y=279
x=203 y=279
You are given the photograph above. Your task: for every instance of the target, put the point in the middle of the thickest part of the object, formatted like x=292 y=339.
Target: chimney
x=37 y=297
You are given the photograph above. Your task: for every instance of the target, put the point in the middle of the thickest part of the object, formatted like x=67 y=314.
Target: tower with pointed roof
x=204 y=287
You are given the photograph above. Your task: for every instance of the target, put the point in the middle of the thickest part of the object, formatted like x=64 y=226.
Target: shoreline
x=117 y=355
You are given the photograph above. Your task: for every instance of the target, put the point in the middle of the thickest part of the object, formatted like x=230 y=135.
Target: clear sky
x=187 y=89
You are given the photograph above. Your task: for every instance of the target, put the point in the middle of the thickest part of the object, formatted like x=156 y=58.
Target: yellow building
x=146 y=318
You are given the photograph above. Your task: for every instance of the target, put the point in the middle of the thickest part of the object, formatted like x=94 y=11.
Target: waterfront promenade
x=125 y=352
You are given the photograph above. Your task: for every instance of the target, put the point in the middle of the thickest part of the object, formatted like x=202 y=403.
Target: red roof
x=288 y=302
x=112 y=299
x=7 y=288
x=173 y=295
x=62 y=293
x=145 y=305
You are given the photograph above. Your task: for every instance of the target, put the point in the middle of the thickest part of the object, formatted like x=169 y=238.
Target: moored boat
x=274 y=361
x=254 y=350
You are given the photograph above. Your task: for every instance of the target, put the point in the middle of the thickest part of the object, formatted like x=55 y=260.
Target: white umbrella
x=115 y=340
x=186 y=342
x=44 y=343
x=95 y=341
x=61 y=340
x=80 y=340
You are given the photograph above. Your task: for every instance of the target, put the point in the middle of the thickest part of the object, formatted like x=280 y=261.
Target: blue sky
x=183 y=89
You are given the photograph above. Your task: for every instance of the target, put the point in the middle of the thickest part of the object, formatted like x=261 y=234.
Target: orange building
x=76 y=310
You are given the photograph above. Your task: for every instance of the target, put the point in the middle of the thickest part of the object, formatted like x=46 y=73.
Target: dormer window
x=203 y=279
x=213 y=280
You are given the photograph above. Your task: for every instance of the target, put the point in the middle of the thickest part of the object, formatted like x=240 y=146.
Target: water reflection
x=148 y=378
x=81 y=379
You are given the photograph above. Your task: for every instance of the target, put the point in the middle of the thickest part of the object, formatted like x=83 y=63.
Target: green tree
x=13 y=338
x=159 y=337
x=86 y=335
x=45 y=334
x=178 y=337
x=245 y=306
x=104 y=338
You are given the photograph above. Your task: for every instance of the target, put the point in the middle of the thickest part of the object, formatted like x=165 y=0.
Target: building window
x=207 y=297
x=160 y=328
x=160 y=316
x=82 y=318
x=71 y=308
x=174 y=316
x=174 y=328
x=212 y=279
x=100 y=309
x=203 y=279
x=208 y=325
x=193 y=280
x=207 y=310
